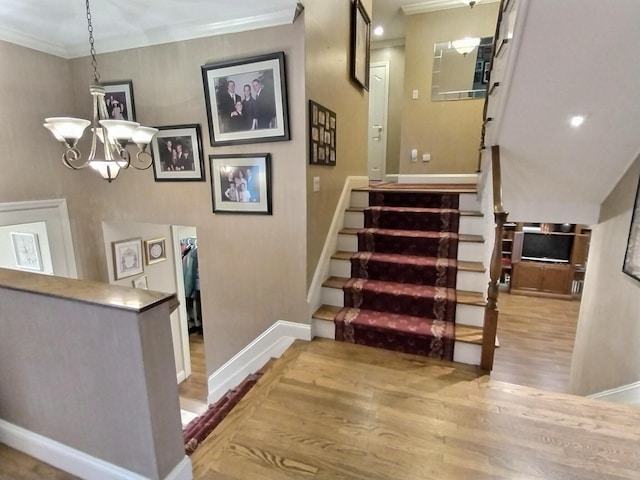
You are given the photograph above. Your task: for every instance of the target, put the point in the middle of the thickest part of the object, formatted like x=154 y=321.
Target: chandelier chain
x=94 y=61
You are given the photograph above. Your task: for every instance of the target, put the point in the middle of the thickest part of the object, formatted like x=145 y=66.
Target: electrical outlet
x=316 y=184
x=414 y=94
x=426 y=157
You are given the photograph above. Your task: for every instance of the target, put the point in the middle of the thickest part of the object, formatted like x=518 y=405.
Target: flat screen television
x=546 y=247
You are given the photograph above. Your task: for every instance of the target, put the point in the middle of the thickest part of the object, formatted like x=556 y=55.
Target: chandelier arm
x=144 y=157
x=70 y=156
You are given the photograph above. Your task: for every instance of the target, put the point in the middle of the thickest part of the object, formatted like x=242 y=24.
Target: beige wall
x=607 y=343
x=250 y=265
x=328 y=83
x=395 y=57
x=449 y=131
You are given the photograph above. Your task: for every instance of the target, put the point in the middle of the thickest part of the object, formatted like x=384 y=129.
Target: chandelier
x=471 y=3
x=108 y=154
x=465 y=45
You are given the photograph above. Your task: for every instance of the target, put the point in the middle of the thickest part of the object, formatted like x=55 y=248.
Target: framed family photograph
x=119 y=99
x=322 y=135
x=246 y=100
x=360 y=40
x=241 y=183
x=631 y=264
x=127 y=258
x=26 y=251
x=177 y=154
x=155 y=250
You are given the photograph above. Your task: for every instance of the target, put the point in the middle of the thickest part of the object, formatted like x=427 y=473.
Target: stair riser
x=468 y=353
x=470 y=225
x=469 y=281
x=471 y=251
x=470 y=201
x=465 y=314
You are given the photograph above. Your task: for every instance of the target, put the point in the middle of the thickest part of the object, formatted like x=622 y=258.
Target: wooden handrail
x=490 y=327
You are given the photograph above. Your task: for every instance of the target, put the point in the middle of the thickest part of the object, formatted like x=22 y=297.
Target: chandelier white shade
x=465 y=45
x=108 y=154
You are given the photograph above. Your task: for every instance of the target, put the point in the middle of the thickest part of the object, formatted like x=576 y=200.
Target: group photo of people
x=240 y=184
x=176 y=154
x=116 y=105
x=246 y=102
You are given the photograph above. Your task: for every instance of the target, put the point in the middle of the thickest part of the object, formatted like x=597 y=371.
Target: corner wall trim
x=74 y=461
x=270 y=344
x=629 y=394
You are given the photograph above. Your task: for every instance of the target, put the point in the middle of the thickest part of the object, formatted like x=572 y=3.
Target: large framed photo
x=155 y=250
x=127 y=258
x=241 y=183
x=247 y=100
x=322 y=135
x=119 y=99
x=631 y=264
x=177 y=154
x=360 y=39
x=26 y=251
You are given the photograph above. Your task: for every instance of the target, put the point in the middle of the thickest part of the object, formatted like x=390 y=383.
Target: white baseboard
x=271 y=344
x=181 y=377
x=74 y=461
x=629 y=394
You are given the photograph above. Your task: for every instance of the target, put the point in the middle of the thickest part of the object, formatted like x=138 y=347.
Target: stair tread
x=464 y=333
x=421 y=187
x=462 y=237
x=463 y=213
x=464 y=266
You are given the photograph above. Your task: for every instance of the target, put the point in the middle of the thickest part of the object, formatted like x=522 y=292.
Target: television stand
x=542 y=279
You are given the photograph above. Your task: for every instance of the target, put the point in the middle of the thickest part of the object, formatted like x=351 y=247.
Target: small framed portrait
x=140 y=282
x=360 y=42
x=322 y=135
x=26 y=251
x=119 y=99
x=155 y=250
x=241 y=183
x=246 y=100
x=177 y=154
x=127 y=258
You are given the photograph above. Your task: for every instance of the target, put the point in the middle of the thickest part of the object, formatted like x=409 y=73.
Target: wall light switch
x=426 y=157
x=316 y=184
x=414 y=155
x=414 y=94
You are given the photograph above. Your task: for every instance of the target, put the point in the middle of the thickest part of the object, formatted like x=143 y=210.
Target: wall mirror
x=460 y=71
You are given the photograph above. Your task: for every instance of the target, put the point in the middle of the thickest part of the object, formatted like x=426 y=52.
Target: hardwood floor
x=536 y=338
x=193 y=390
x=329 y=410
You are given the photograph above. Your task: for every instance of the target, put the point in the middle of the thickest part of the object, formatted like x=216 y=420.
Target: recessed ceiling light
x=378 y=30
x=576 y=120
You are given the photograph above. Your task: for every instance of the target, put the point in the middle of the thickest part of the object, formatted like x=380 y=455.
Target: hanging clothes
x=191 y=276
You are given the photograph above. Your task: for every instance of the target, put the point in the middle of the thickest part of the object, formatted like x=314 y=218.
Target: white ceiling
x=573 y=56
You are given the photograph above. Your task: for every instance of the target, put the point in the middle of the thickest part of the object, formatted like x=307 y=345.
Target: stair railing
x=490 y=327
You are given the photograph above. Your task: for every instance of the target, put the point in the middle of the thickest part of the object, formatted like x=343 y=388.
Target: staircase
x=408 y=273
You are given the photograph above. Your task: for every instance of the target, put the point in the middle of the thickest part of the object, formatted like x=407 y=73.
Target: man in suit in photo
x=227 y=105
x=265 y=105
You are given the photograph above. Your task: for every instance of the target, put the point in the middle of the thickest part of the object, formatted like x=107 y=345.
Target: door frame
x=385 y=116
x=182 y=308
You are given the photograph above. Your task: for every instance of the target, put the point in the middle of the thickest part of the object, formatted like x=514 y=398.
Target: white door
x=378 y=104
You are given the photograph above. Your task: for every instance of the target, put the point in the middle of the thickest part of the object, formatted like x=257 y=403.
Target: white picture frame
x=26 y=251
x=127 y=258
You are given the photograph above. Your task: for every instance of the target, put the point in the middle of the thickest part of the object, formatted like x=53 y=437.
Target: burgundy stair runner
x=402 y=291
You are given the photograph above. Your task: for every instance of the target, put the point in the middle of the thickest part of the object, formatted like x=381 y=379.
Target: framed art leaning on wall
x=127 y=258
x=631 y=264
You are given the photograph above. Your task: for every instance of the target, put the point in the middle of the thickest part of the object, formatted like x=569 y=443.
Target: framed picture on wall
x=246 y=100
x=119 y=99
x=360 y=43
x=155 y=251
x=241 y=183
x=322 y=135
x=26 y=251
x=631 y=264
x=177 y=154
x=140 y=282
x=127 y=258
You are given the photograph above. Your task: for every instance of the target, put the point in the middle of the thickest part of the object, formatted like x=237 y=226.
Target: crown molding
x=436 y=5
x=151 y=37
